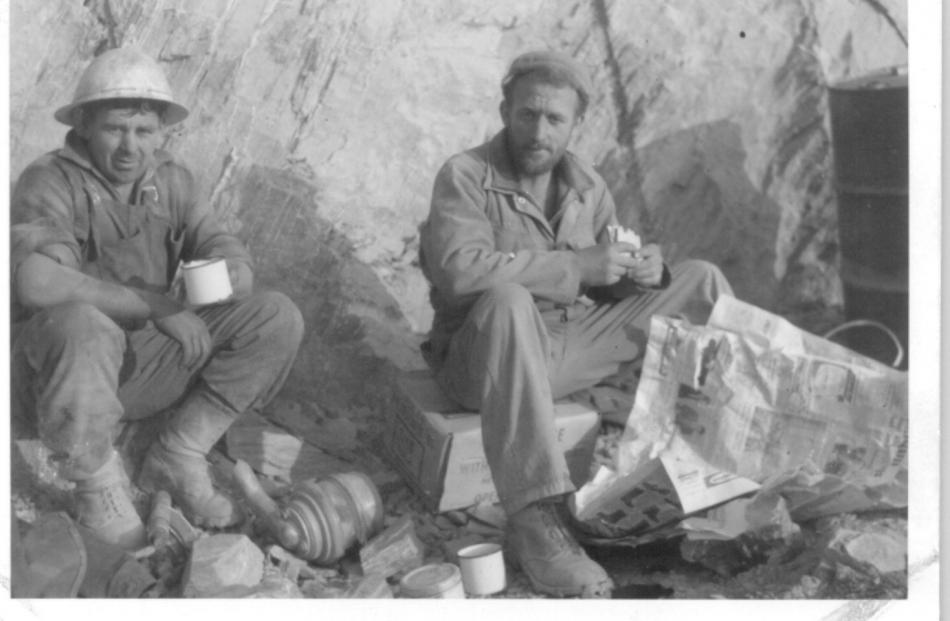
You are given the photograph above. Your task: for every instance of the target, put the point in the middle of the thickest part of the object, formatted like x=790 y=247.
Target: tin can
x=435 y=581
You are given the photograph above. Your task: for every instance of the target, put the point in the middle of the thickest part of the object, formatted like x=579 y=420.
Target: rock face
x=317 y=127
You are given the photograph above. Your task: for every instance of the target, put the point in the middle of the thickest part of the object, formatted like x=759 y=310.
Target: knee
x=82 y=324
x=699 y=269
x=505 y=298
x=283 y=324
x=707 y=275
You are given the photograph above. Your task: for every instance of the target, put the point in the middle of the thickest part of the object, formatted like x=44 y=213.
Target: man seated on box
x=538 y=293
x=99 y=228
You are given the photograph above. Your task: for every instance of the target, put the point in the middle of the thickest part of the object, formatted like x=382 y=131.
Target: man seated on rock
x=533 y=301
x=99 y=228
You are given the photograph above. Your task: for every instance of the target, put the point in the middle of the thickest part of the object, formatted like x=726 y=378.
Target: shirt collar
x=501 y=173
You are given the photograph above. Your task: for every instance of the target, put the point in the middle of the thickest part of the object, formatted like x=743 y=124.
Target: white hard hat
x=123 y=73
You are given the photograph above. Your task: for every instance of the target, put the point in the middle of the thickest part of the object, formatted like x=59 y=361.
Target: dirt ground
x=811 y=567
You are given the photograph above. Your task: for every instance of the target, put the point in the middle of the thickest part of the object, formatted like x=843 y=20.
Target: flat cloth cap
x=556 y=62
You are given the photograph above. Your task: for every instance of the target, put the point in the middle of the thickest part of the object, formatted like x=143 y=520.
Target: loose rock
x=884 y=553
x=220 y=562
x=264 y=446
x=397 y=549
x=370 y=586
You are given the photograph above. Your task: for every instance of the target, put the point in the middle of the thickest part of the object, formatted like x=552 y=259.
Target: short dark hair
x=554 y=76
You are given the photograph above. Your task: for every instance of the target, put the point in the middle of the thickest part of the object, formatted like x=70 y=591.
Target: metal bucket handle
x=869 y=323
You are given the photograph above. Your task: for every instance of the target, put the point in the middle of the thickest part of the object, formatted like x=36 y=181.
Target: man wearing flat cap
x=99 y=230
x=535 y=299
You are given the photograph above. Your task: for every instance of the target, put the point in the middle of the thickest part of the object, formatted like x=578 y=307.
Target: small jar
x=436 y=581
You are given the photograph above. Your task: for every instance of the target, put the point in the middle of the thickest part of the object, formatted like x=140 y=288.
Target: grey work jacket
x=482 y=230
x=64 y=208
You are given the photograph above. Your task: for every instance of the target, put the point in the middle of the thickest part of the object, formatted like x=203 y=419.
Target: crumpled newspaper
x=748 y=400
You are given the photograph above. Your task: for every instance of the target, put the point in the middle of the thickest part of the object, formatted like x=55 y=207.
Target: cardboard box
x=437 y=445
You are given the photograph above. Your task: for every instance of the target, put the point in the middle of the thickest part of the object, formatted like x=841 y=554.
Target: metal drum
x=869 y=126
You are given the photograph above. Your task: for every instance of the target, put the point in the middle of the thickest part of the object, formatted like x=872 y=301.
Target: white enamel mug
x=483 y=569
x=206 y=281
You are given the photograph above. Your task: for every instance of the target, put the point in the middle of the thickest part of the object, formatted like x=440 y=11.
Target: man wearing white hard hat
x=99 y=230
x=538 y=293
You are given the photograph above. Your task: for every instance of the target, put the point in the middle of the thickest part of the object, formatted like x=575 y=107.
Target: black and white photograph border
x=371 y=271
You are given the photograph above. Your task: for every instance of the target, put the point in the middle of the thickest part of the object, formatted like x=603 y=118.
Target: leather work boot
x=540 y=543
x=103 y=504
x=176 y=463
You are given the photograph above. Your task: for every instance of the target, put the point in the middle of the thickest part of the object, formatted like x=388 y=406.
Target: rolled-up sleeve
x=460 y=257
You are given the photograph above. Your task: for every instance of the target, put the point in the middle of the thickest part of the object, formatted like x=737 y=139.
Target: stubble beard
x=529 y=165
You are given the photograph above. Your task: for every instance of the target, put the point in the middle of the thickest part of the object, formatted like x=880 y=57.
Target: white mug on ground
x=483 y=569
x=206 y=281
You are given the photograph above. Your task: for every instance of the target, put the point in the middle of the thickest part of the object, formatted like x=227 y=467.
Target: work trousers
x=510 y=362
x=81 y=373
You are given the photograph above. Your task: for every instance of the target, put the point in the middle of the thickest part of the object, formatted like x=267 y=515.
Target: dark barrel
x=869 y=127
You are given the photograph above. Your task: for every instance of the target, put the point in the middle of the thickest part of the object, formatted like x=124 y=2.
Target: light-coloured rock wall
x=317 y=127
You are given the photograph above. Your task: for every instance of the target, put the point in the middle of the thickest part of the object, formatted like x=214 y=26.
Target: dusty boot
x=104 y=506
x=540 y=543
x=176 y=463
